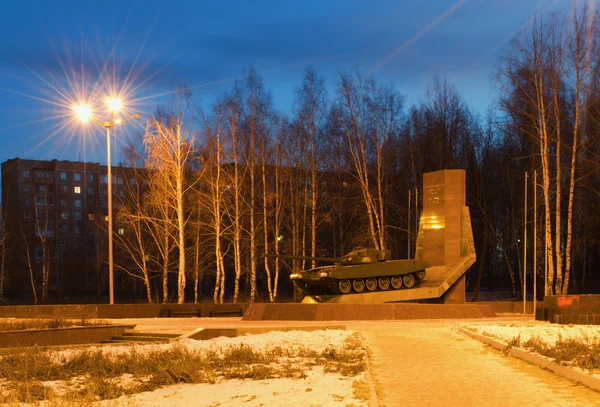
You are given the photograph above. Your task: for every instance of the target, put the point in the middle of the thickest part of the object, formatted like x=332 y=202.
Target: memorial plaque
x=443 y=200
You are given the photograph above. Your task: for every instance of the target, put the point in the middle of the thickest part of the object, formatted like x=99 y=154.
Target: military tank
x=362 y=270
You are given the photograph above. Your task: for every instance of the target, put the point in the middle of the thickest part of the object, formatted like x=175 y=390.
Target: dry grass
x=360 y=390
x=580 y=352
x=28 y=324
x=31 y=376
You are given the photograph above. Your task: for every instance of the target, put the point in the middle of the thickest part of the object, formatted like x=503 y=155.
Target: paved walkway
x=428 y=363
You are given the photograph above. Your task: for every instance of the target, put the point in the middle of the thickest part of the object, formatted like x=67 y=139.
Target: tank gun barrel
x=296 y=257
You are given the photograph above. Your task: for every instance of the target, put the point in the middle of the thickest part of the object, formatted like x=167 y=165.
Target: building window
x=26 y=215
x=62 y=242
x=78 y=254
x=90 y=177
x=77 y=216
x=64 y=255
x=64 y=189
x=90 y=216
x=104 y=192
x=77 y=229
x=42 y=188
x=77 y=189
x=63 y=175
x=26 y=187
x=90 y=191
x=119 y=180
x=64 y=215
x=121 y=194
x=77 y=176
x=77 y=203
x=132 y=181
x=104 y=179
x=40 y=201
x=25 y=174
x=63 y=202
x=121 y=231
x=64 y=228
x=27 y=201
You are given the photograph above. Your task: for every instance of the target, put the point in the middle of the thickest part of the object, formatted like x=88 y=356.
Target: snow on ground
x=546 y=331
x=315 y=340
x=318 y=388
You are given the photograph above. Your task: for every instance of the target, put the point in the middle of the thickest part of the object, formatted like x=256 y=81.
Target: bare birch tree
x=235 y=176
x=311 y=106
x=361 y=101
x=546 y=78
x=134 y=215
x=169 y=143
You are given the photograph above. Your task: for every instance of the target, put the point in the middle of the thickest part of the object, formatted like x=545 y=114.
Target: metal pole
x=408 y=253
x=417 y=219
x=111 y=287
x=525 y=251
x=534 y=241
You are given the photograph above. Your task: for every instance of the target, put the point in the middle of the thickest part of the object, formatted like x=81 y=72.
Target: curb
x=542 y=361
x=372 y=402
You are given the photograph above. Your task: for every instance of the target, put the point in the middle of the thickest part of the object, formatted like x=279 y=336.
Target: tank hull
x=382 y=276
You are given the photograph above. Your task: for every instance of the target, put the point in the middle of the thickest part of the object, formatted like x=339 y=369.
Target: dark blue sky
x=52 y=52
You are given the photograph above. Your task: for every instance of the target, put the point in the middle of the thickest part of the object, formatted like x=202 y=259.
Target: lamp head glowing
x=84 y=113
x=114 y=104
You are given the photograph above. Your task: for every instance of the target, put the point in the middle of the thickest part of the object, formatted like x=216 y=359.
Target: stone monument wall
x=443 y=201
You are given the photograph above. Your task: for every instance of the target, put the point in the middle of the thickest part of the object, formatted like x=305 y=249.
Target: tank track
x=375 y=284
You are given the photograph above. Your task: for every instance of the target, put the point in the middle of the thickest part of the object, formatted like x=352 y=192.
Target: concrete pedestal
x=443 y=235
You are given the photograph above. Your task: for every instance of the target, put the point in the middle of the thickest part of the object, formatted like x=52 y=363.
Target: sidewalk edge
x=539 y=360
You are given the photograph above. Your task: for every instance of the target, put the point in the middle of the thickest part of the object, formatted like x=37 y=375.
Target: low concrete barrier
x=508 y=307
x=349 y=312
x=571 y=309
x=100 y=311
x=61 y=336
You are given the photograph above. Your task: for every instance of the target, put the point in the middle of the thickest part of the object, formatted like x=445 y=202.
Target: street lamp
x=84 y=113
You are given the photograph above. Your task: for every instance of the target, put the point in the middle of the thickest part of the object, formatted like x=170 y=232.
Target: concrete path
x=429 y=363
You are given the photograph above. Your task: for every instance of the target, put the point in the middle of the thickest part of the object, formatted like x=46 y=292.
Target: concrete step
x=150 y=334
x=142 y=337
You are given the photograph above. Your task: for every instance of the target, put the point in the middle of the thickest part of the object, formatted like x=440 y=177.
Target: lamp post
x=84 y=112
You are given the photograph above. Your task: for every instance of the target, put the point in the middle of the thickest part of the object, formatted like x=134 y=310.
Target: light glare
x=114 y=104
x=84 y=113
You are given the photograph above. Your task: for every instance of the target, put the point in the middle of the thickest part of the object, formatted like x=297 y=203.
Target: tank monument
x=363 y=285
x=368 y=287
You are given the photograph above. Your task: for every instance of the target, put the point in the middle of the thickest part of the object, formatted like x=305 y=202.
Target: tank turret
x=361 y=270
x=357 y=256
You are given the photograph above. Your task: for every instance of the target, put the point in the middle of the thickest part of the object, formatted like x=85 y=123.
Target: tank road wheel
x=396 y=282
x=384 y=283
x=409 y=280
x=371 y=284
x=358 y=285
x=345 y=286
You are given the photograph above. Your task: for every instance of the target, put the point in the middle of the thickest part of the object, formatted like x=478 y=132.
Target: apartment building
x=55 y=216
